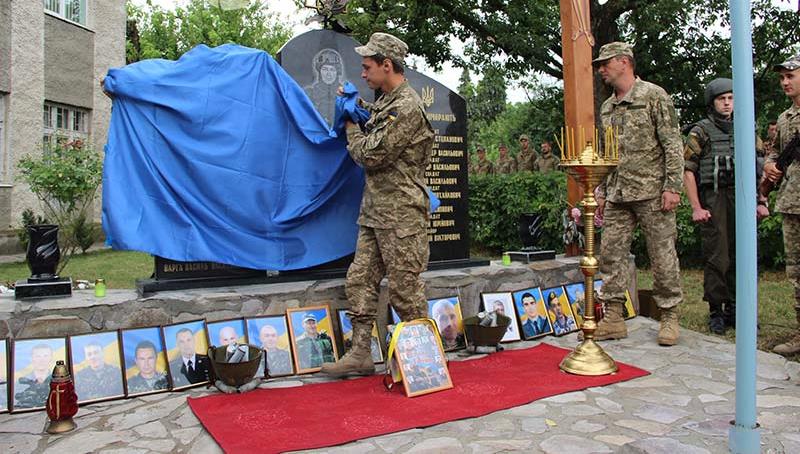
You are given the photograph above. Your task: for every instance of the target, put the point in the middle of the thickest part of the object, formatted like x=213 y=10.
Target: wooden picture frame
x=179 y=338
x=421 y=360
x=281 y=362
x=346 y=329
x=32 y=363
x=532 y=314
x=5 y=363
x=96 y=366
x=144 y=349
x=309 y=350
x=559 y=311
x=235 y=331
x=491 y=301
x=446 y=312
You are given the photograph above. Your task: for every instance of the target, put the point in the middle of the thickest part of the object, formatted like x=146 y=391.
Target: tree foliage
x=679 y=44
x=153 y=32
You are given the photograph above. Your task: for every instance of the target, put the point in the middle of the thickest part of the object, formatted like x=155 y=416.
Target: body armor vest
x=716 y=162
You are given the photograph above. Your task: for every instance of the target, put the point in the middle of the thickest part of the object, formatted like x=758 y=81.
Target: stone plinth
x=123 y=309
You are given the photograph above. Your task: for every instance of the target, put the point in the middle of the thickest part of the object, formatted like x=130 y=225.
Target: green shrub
x=28 y=219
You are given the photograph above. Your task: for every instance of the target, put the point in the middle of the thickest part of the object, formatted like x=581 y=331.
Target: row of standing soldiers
x=527 y=159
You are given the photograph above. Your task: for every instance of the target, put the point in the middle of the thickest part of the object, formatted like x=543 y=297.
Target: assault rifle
x=790 y=154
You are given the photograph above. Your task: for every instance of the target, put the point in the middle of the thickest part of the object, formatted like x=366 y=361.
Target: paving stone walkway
x=684 y=407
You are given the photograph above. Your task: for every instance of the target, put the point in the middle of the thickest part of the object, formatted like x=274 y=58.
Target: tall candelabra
x=588 y=167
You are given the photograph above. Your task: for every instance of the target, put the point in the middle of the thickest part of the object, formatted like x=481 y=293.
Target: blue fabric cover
x=221 y=156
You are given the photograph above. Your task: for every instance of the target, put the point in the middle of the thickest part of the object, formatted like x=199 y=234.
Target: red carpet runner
x=327 y=414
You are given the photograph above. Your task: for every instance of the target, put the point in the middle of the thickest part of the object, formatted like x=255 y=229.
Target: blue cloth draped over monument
x=220 y=156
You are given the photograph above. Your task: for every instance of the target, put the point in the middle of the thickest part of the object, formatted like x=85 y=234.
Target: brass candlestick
x=588 y=168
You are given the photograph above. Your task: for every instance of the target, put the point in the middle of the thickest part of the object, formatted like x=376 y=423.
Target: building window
x=73 y=10
x=62 y=122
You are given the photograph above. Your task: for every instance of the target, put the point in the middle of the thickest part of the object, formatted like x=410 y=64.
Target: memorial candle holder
x=588 y=167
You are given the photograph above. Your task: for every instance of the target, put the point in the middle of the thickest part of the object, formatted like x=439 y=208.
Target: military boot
x=716 y=318
x=612 y=326
x=791 y=346
x=729 y=314
x=358 y=361
x=669 y=331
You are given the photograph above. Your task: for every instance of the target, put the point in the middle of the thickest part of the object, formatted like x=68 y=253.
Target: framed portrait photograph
x=311 y=331
x=346 y=328
x=627 y=309
x=532 y=313
x=503 y=303
x=96 y=366
x=271 y=333
x=421 y=360
x=3 y=375
x=32 y=363
x=576 y=295
x=222 y=333
x=446 y=312
x=145 y=360
x=558 y=308
x=187 y=353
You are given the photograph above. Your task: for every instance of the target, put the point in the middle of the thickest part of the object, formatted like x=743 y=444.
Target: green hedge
x=496 y=201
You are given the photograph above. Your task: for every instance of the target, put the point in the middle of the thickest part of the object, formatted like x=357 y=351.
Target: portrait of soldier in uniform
x=561 y=316
x=186 y=345
x=272 y=335
x=97 y=367
x=346 y=328
x=313 y=345
x=446 y=313
x=34 y=360
x=145 y=361
x=503 y=303
x=328 y=69
x=532 y=313
x=226 y=332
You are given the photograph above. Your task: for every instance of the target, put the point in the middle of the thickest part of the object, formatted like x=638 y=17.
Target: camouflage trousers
x=660 y=231
x=399 y=254
x=719 y=245
x=791 y=244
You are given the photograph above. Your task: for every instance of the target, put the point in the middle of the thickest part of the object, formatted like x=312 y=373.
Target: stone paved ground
x=684 y=407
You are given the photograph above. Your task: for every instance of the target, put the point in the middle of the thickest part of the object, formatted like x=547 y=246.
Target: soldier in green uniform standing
x=788 y=201
x=505 y=162
x=710 y=187
x=547 y=161
x=394 y=150
x=482 y=166
x=644 y=189
x=527 y=156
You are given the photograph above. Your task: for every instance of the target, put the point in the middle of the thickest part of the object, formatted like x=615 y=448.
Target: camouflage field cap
x=791 y=64
x=524 y=137
x=309 y=317
x=384 y=44
x=611 y=50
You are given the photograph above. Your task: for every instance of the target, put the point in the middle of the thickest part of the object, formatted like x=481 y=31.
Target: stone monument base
x=25 y=289
x=119 y=309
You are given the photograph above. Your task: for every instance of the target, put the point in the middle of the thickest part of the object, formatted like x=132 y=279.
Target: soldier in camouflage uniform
x=31 y=391
x=313 y=348
x=505 y=163
x=99 y=379
x=709 y=181
x=394 y=150
x=644 y=189
x=547 y=162
x=482 y=166
x=527 y=156
x=772 y=134
x=788 y=200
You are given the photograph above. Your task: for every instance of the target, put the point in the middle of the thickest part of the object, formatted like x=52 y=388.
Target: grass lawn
x=776 y=312
x=120 y=269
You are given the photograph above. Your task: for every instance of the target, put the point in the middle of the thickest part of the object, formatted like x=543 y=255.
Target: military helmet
x=717 y=87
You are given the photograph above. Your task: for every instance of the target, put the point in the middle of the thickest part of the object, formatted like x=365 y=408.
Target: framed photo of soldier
x=346 y=328
x=3 y=375
x=32 y=363
x=222 y=333
x=503 y=303
x=96 y=366
x=271 y=333
x=145 y=361
x=560 y=313
x=187 y=353
x=420 y=359
x=446 y=312
x=311 y=331
x=576 y=295
x=532 y=313
x=627 y=309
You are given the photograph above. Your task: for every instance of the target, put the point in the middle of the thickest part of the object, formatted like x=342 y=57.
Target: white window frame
x=61 y=8
x=65 y=121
